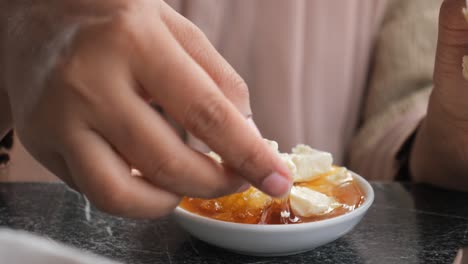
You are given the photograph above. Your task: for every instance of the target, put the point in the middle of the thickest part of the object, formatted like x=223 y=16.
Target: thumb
x=450 y=85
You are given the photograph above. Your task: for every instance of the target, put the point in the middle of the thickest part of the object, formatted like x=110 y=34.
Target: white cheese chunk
x=310 y=163
x=307 y=202
x=257 y=199
x=339 y=176
x=273 y=145
x=304 y=163
x=287 y=159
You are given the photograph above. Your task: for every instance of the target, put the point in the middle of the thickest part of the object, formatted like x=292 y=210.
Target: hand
x=440 y=151
x=80 y=75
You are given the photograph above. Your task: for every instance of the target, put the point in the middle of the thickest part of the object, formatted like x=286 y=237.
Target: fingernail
x=252 y=124
x=276 y=185
x=243 y=188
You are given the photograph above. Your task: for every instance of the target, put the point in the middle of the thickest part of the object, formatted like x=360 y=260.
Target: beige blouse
x=349 y=77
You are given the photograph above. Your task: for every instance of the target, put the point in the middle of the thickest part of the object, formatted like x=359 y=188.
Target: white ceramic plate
x=274 y=240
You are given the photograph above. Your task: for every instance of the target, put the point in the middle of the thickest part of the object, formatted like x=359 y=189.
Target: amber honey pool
x=254 y=207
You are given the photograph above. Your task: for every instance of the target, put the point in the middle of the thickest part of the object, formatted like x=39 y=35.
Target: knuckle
x=190 y=33
x=241 y=86
x=70 y=83
x=191 y=36
x=238 y=86
x=124 y=24
x=234 y=87
x=70 y=63
x=117 y=35
x=123 y=33
x=194 y=31
x=206 y=116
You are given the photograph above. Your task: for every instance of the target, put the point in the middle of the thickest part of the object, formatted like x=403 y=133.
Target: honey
x=254 y=207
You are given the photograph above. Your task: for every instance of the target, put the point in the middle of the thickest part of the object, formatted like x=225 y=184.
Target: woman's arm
x=440 y=152
x=399 y=88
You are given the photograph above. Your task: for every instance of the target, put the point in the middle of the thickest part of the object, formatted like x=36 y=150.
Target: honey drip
x=281 y=205
x=254 y=207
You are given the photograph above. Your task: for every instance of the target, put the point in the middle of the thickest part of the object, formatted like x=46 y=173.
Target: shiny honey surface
x=254 y=207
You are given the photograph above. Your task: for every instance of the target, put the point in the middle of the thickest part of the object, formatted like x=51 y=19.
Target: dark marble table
x=407 y=224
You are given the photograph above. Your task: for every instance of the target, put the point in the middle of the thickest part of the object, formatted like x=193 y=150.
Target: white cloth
x=19 y=247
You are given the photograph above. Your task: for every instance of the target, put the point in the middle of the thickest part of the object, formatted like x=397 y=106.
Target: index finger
x=193 y=99
x=206 y=55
